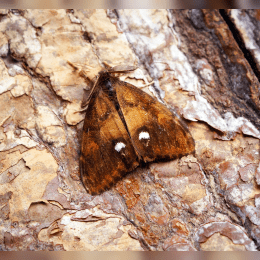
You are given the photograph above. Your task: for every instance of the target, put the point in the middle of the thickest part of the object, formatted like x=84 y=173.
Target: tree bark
x=205 y=68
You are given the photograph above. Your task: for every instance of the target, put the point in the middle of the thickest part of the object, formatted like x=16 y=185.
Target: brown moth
x=123 y=127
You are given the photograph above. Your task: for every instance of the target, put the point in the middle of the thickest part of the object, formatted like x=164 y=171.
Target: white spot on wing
x=144 y=135
x=119 y=146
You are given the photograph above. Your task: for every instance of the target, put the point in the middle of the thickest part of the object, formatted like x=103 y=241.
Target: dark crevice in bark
x=236 y=34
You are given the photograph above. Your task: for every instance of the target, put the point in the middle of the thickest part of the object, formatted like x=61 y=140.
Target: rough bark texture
x=205 y=66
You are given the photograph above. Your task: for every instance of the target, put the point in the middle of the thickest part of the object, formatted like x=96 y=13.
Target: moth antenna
x=78 y=65
x=82 y=109
x=83 y=74
x=145 y=85
x=85 y=104
x=119 y=68
x=106 y=65
x=145 y=79
x=81 y=69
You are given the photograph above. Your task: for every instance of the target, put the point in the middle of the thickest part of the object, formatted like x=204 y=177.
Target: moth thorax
x=108 y=85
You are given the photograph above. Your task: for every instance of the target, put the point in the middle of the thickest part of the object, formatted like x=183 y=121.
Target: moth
x=124 y=127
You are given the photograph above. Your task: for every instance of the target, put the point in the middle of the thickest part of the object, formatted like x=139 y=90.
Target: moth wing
x=155 y=132
x=107 y=152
